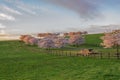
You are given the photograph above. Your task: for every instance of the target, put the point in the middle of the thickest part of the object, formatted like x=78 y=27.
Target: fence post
x=66 y=53
x=88 y=55
x=58 y=52
x=52 y=52
x=118 y=55
x=109 y=55
x=70 y=53
x=77 y=53
x=101 y=55
x=94 y=55
x=61 y=53
x=55 y=52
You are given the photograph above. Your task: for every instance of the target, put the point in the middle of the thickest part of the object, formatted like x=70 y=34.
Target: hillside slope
x=22 y=62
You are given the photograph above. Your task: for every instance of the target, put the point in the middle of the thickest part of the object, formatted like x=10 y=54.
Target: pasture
x=24 y=62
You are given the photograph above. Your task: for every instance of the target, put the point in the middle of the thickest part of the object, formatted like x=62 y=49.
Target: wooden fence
x=71 y=53
x=100 y=55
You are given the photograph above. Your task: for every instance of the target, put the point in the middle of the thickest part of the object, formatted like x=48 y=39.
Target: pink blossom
x=33 y=41
x=26 y=39
x=46 y=43
x=111 y=39
x=60 y=42
x=76 y=40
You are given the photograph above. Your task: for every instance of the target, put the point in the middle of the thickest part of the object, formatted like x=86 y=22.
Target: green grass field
x=22 y=62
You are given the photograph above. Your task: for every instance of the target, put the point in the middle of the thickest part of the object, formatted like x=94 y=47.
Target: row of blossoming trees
x=53 y=40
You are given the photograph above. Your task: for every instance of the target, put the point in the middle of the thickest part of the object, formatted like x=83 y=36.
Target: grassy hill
x=22 y=62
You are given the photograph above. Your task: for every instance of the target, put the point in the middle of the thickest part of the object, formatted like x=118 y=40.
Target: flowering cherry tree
x=60 y=42
x=111 y=39
x=46 y=43
x=76 y=40
x=108 y=40
x=22 y=37
x=33 y=41
x=26 y=39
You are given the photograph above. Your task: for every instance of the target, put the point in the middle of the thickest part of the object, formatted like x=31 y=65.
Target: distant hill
x=101 y=29
x=8 y=37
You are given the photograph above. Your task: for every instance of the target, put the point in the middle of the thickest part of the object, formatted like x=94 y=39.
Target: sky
x=35 y=16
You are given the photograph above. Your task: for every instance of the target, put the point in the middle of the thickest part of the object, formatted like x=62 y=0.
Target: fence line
x=72 y=54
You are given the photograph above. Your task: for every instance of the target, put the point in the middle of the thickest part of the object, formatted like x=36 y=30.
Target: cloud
x=85 y=8
x=26 y=10
x=102 y=28
x=29 y=9
x=2 y=26
x=6 y=17
x=6 y=8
